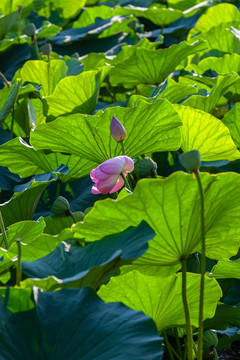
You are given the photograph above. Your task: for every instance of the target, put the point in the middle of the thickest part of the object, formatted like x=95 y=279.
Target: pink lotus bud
x=118 y=131
x=107 y=176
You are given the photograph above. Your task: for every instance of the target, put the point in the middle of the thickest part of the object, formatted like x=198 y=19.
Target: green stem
x=215 y=353
x=169 y=349
x=126 y=182
x=19 y=263
x=178 y=342
x=58 y=189
x=4 y=234
x=203 y=270
x=122 y=146
x=36 y=48
x=19 y=26
x=186 y=310
x=195 y=348
x=72 y=216
x=6 y=82
x=12 y=122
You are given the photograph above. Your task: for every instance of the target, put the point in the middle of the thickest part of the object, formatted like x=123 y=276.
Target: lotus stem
x=4 y=234
x=203 y=270
x=126 y=182
x=72 y=216
x=123 y=148
x=178 y=342
x=186 y=311
x=169 y=349
x=19 y=263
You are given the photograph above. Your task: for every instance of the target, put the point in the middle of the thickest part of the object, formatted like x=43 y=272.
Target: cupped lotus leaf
x=89 y=15
x=214 y=16
x=160 y=16
x=22 y=205
x=171 y=90
x=220 y=87
x=23 y=230
x=90 y=137
x=46 y=74
x=222 y=65
x=75 y=324
x=221 y=38
x=152 y=66
x=161 y=299
x=207 y=134
x=121 y=24
x=226 y=269
x=65 y=9
x=232 y=121
x=76 y=93
x=24 y=160
x=55 y=224
x=171 y=207
x=75 y=266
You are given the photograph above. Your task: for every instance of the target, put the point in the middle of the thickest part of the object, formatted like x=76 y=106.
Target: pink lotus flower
x=107 y=176
x=117 y=130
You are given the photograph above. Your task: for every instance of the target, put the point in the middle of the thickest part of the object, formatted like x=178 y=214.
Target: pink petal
x=99 y=175
x=113 y=166
x=95 y=190
x=129 y=164
x=118 y=186
x=105 y=186
x=92 y=175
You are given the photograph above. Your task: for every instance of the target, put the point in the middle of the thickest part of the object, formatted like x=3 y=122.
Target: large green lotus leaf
x=75 y=266
x=24 y=160
x=222 y=65
x=207 y=134
x=158 y=15
x=47 y=30
x=47 y=74
x=6 y=7
x=14 y=300
x=172 y=91
x=225 y=315
x=89 y=136
x=23 y=230
x=183 y=4
x=214 y=16
x=23 y=204
x=122 y=24
x=152 y=66
x=64 y=9
x=226 y=270
x=76 y=94
x=221 y=38
x=232 y=121
x=208 y=103
x=75 y=324
x=89 y=15
x=161 y=299
x=171 y=207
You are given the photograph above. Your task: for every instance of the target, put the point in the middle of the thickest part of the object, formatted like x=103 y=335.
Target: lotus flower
x=118 y=131
x=107 y=176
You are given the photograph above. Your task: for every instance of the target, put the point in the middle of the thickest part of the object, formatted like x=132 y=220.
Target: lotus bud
x=118 y=131
x=60 y=206
x=30 y=30
x=79 y=215
x=46 y=49
x=86 y=211
x=191 y=160
x=147 y=167
x=20 y=8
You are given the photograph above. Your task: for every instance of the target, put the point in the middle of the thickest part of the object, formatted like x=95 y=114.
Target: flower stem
x=178 y=342
x=72 y=216
x=122 y=146
x=19 y=263
x=6 y=82
x=126 y=182
x=4 y=234
x=186 y=310
x=203 y=270
x=169 y=349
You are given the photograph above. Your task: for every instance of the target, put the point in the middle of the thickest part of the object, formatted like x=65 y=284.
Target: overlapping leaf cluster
x=169 y=72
